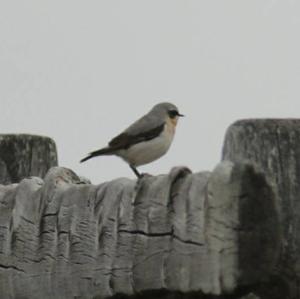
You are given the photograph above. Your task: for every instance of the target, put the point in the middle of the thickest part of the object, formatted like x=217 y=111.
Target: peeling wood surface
x=208 y=232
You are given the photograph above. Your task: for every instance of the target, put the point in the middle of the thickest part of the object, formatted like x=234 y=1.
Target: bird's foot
x=145 y=175
x=141 y=181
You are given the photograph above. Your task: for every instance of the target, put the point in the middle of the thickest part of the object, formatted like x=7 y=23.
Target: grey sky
x=81 y=71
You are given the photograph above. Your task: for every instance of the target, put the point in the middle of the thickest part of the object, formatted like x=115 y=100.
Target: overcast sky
x=82 y=71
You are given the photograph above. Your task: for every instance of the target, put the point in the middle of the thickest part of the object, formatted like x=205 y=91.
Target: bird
x=146 y=140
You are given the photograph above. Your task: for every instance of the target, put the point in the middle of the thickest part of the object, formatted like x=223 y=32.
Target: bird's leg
x=135 y=171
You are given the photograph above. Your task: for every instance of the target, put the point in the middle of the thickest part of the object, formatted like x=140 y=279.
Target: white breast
x=148 y=151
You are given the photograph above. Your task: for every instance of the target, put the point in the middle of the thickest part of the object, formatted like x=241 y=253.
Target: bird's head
x=168 y=111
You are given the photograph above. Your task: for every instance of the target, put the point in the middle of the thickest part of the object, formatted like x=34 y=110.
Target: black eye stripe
x=173 y=113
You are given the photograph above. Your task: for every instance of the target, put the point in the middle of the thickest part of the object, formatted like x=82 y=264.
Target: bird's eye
x=173 y=113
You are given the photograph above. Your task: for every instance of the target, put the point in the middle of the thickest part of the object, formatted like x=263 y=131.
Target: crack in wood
x=163 y=234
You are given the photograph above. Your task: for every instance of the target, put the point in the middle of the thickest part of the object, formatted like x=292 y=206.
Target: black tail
x=100 y=152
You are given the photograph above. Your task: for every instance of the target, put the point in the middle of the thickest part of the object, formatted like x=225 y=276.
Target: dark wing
x=125 y=139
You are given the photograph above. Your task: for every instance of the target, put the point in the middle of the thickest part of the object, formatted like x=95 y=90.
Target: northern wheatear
x=146 y=140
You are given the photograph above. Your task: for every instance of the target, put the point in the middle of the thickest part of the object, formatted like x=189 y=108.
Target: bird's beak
x=180 y=115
